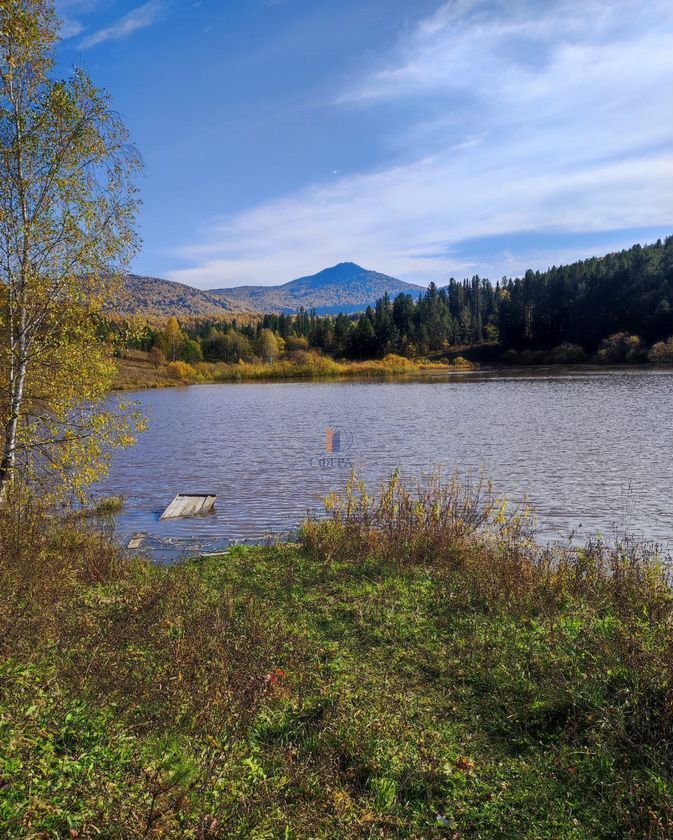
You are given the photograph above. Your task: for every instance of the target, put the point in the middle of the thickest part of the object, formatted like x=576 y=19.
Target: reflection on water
x=592 y=449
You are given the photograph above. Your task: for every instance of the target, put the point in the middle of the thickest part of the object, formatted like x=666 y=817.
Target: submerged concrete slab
x=189 y=504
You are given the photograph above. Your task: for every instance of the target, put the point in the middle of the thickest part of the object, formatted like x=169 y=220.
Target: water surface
x=592 y=449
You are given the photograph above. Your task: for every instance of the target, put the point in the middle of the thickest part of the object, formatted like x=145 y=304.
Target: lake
x=591 y=449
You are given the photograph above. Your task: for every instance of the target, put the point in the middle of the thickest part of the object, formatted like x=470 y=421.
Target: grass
x=135 y=371
x=107 y=506
x=415 y=666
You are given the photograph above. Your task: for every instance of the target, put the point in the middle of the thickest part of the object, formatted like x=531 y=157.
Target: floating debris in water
x=189 y=504
x=136 y=541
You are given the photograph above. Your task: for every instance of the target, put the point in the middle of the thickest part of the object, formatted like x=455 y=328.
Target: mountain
x=345 y=287
x=154 y=297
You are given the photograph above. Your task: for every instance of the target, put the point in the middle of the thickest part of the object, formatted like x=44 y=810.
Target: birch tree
x=67 y=211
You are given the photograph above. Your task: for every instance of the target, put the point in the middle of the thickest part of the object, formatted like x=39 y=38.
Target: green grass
x=109 y=505
x=327 y=690
x=105 y=507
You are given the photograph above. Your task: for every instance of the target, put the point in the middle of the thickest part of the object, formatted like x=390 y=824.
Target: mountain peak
x=339 y=273
x=344 y=287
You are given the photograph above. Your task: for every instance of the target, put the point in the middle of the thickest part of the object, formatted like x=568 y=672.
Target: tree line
x=613 y=308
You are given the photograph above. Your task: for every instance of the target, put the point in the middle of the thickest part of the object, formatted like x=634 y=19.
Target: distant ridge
x=154 y=297
x=346 y=287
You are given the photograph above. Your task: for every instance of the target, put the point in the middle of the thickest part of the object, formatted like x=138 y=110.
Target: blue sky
x=423 y=139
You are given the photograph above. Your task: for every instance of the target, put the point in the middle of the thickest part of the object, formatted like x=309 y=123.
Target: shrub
x=299 y=357
x=317 y=365
x=619 y=348
x=44 y=563
x=206 y=370
x=568 y=354
x=296 y=342
x=459 y=526
x=662 y=352
x=426 y=523
x=540 y=357
x=109 y=505
x=180 y=370
x=157 y=357
x=510 y=357
x=395 y=362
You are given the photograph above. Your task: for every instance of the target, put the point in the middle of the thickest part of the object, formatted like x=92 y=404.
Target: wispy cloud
x=139 y=18
x=482 y=48
x=70 y=28
x=543 y=117
x=69 y=12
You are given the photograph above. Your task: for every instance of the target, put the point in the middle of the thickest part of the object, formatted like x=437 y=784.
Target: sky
x=419 y=138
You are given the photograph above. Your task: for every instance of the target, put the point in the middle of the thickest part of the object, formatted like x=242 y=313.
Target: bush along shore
x=136 y=369
x=146 y=369
x=414 y=666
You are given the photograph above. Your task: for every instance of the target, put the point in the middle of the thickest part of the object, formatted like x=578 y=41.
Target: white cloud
x=400 y=221
x=66 y=10
x=70 y=28
x=548 y=116
x=139 y=18
x=481 y=47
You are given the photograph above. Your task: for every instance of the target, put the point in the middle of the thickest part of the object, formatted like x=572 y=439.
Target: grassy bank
x=414 y=667
x=136 y=370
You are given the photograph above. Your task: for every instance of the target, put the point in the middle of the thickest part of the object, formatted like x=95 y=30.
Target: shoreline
x=135 y=373
x=134 y=377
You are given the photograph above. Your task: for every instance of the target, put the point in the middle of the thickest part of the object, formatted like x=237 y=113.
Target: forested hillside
x=629 y=291
x=617 y=308
x=582 y=303
x=152 y=297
